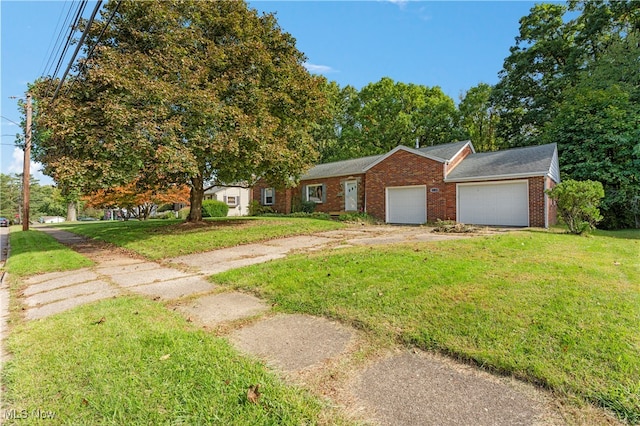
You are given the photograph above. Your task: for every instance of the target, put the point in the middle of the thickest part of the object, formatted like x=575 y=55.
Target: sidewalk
x=400 y=387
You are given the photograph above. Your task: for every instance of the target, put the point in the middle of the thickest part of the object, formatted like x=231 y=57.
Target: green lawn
x=142 y=365
x=34 y=252
x=159 y=239
x=559 y=310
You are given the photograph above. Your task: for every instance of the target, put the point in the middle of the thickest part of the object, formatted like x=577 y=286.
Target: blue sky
x=451 y=44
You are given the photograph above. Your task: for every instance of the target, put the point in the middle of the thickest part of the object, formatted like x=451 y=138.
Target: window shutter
x=324 y=192
x=262 y=196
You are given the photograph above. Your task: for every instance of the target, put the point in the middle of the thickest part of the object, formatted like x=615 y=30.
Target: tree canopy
x=383 y=115
x=181 y=93
x=574 y=79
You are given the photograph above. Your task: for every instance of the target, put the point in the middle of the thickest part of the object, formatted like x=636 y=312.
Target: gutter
x=498 y=177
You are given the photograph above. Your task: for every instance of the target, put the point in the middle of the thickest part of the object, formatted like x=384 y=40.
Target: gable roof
x=340 y=168
x=441 y=153
x=446 y=151
x=541 y=160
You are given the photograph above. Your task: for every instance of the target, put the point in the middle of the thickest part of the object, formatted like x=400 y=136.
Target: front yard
x=160 y=239
x=130 y=361
x=554 y=309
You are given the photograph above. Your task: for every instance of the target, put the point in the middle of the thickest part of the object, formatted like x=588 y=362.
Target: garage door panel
x=505 y=204
x=407 y=205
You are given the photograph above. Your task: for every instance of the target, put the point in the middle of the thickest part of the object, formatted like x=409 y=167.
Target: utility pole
x=26 y=167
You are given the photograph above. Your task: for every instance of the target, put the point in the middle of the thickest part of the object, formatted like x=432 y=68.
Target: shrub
x=257 y=209
x=168 y=214
x=300 y=206
x=183 y=213
x=214 y=208
x=578 y=203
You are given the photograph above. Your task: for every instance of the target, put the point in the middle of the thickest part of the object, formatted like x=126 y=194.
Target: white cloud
x=35 y=168
x=319 y=69
x=401 y=3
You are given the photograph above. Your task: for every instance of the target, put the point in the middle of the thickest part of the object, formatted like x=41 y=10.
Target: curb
x=4 y=318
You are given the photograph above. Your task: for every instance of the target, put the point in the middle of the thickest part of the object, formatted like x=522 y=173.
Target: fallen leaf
x=100 y=321
x=165 y=357
x=616 y=263
x=253 y=394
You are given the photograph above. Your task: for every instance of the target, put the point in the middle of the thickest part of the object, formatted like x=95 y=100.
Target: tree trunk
x=71 y=212
x=195 y=199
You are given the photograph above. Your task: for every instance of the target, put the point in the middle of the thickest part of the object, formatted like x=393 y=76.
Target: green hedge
x=214 y=208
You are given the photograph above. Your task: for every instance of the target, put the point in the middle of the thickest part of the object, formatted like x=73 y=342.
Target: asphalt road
x=4 y=239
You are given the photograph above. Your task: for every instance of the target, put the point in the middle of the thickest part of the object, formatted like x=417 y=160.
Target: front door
x=351 y=196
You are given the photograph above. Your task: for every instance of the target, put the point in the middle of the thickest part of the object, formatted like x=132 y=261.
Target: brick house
x=419 y=185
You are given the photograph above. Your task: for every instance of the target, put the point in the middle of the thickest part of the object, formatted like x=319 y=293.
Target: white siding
x=222 y=194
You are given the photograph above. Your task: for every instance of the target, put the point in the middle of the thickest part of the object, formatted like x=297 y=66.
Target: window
x=232 y=200
x=268 y=196
x=315 y=193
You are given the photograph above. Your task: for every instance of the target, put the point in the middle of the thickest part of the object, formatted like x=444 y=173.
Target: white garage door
x=407 y=204
x=505 y=204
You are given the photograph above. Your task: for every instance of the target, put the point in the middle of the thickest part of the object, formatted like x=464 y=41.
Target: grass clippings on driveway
x=130 y=361
x=555 y=309
x=160 y=239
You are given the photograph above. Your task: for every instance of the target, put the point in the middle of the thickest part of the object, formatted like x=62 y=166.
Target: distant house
x=51 y=219
x=236 y=197
x=419 y=185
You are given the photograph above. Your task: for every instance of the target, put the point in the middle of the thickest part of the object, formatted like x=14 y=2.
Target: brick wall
x=282 y=200
x=537 y=207
x=552 y=207
x=405 y=169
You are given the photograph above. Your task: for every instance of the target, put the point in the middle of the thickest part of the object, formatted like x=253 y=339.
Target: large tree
x=182 y=92
x=138 y=202
x=396 y=113
x=543 y=62
x=575 y=80
x=383 y=115
x=557 y=44
x=478 y=118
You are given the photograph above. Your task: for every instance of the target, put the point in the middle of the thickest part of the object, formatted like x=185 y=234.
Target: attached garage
x=406 y=204
x=495 y=203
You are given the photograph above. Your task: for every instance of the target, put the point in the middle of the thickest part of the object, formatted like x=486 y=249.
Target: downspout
x=546 y=204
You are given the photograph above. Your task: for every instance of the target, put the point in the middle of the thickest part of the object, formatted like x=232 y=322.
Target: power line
x=52 y=47
x=72 y=30
x=106 y=25
x=10 y=120
x=75 y=53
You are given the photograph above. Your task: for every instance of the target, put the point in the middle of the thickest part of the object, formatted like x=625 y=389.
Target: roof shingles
x=533 y=160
